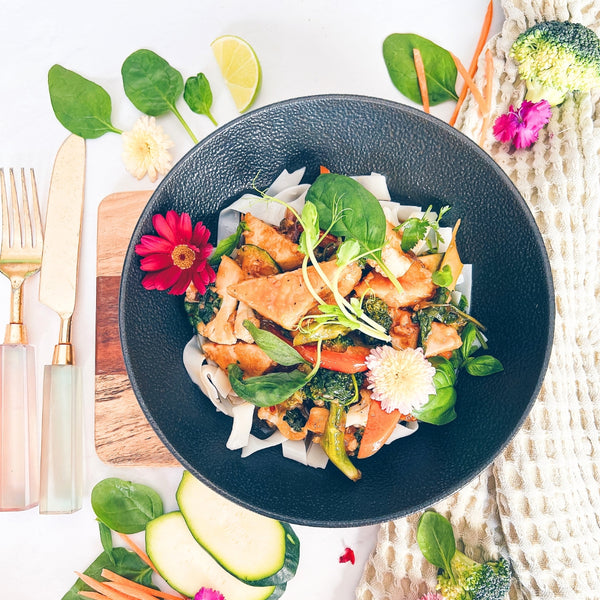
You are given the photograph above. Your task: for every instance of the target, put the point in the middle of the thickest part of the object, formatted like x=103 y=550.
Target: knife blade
x=61 y=481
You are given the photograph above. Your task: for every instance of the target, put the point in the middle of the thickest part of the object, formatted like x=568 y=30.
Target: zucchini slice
x=258 y=550
x=256 y=262
x=187 y=567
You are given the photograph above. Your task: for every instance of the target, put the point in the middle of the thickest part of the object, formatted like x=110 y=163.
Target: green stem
x=209 y=115
x=185 y=125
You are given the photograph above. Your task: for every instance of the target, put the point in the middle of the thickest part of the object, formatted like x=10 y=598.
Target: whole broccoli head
x=470 y=580
x=555 y=58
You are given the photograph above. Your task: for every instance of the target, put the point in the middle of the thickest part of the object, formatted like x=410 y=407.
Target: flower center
x=183 y=256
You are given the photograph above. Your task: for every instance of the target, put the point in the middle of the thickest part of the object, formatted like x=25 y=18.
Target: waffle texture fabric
x=539 y=503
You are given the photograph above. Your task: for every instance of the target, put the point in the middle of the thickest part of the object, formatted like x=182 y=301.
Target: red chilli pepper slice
x=352 y=360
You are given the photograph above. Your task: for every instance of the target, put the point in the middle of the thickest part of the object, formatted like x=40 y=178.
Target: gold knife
x=61 y=482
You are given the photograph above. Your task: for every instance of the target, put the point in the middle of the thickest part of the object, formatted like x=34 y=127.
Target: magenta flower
x=522 y=126
x=176 y=256
x=208 y=594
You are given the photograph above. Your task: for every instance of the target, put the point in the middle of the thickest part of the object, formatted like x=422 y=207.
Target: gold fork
x=20 y=257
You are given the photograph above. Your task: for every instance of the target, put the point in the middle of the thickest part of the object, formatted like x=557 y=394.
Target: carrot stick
x=131 y=591
x=323 y=170
x=103 y=588
x=470 y=83
x=489 y=80
x=137 y=550
x=114 y=578
x=420 y=69
x=485 y=30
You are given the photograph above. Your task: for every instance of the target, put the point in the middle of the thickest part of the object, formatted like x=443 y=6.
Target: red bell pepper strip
x=352 y=360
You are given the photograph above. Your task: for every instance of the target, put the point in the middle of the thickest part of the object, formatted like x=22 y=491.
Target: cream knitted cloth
x=539 y=503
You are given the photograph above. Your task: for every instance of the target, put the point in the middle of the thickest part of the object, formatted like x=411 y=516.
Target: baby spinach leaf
x=482 y=365
x=436 y=539
x=198 y=95
x=440 y=70
x=151 y=83
x=349 y=209
x=122 y=562
x=124 y=506
x=266 y=390
x=277 y=350
x=106 y=538
x=80 y=105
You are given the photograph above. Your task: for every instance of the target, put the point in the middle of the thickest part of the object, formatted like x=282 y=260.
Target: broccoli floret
x=327 y=386
x=201 y=308
x=470 y=580
x=295 y=418
x=378 y=310
x=557 y=57
x=338 y=344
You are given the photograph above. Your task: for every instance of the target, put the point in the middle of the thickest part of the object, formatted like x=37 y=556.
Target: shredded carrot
x=323 y=169
x=489 y=82
x=420 y=69
x=133 y=585
x=470 y=83
x=103 y=588
x=483 y=35
x=137 y=550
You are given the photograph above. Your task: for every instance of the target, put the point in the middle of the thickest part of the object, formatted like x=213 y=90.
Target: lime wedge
x=240 y=68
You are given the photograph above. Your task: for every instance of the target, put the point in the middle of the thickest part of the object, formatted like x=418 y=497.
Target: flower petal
x=163 y=228
x=185 y=228
x=156 y=262
x=201 y=234
x=152 y=244
x=161 y=280
x=505 y=127
x=348 y=556
x=182 y=283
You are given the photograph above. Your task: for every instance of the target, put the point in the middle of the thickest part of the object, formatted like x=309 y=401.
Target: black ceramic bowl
x=426 y=162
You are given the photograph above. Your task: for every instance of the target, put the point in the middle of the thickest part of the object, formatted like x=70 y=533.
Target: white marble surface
x=305 y=47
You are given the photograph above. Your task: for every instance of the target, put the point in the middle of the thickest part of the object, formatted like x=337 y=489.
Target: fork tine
x=28 y=241
x=16 y=212
x=5 y=223
x=37 y=219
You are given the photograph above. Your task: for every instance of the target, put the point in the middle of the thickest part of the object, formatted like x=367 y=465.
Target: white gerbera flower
x=146 y=149
x=400 y=379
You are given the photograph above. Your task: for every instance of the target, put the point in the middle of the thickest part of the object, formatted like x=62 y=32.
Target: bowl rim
x=470 y=475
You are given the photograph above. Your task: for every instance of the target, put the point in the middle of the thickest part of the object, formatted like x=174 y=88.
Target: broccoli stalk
x=555 y=58
x=470 y=580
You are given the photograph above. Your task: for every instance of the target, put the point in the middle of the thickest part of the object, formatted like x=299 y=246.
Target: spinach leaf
x=482 y=365
x=266 y=390
x=80 y=105
x=440 y=70
x=120 y=561
x=349 y=209
x=124 y=506
x=198 y=95
x=439 y=409
x=436 y=539
x=106 y=539
x=276 y=349
x=151 y=83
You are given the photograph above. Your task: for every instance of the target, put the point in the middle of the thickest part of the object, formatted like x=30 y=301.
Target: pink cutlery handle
x=61 y=482
x=19 y=446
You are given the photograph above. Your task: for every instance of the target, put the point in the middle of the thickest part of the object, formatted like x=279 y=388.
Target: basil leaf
x=443 y=277
x=227 y=245
x=349 y=209
x=436 y=539
x=469 y=335
x=80 y=105
x=198 y=95
x=122 y=562
x=274 y=347
x=124 y=506
x=445 y=374
x=439 y=409
x=265 y=390
x=483 y=365
x=440 y=70
x=151 y=83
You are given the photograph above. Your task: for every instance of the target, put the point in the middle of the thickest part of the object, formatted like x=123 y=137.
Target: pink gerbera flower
x=208 y=594
x=176 y=256
x=522 y=126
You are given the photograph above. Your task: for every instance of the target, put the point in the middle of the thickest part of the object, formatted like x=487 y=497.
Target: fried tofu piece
x=416 y=286
x=251 y=359
x=442 y=339
x=285 y=298
x=283 y=251
x=404 y=332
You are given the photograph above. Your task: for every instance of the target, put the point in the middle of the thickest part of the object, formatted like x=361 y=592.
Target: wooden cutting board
x=122 y=433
